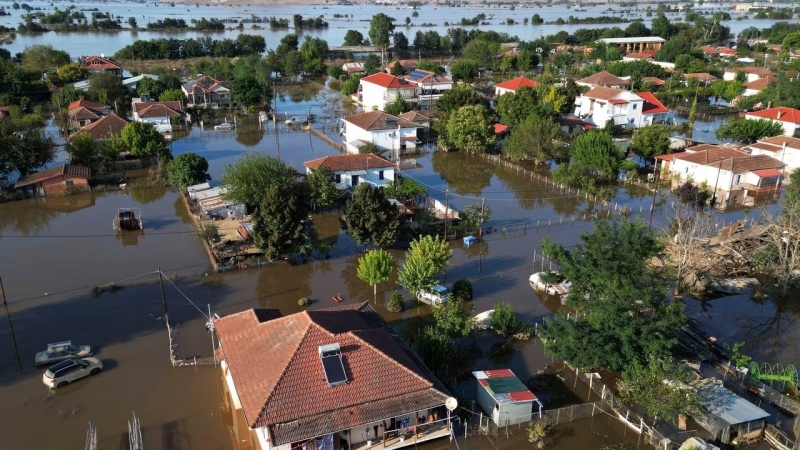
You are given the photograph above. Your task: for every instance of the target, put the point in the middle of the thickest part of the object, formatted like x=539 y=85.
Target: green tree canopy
x=375 y=267
x=107 y=88
x=380 y=31
x=482 y=52
x=535 y=139
x=465 y=69
x=404 y=188
x=595 y=153
x=24 y=148
x=515 y=108
x=188 y=169
x=322 y=185
x=144 y=140
x=450 y=101
x=454 y=318
x=622 y=307
x=252 y=176
x=279 y=221
x=471 y=130
x=71 y=72
x=399 y=105
x=661 y=387
x=43 y=58
x=650 y=141
x=369 y=217
x=426 y=258
x=353 y=38
x=82 y=149
x=747 y=131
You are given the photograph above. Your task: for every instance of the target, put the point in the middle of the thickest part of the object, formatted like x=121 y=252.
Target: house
x=635 y=44
x=755 y=87
x=55 y=181
x=419 y=86
x=726 y=415
x=350 y=170
x=193 y=190
x=133 y=82
x=603 y=104
x=82 y=112
x=214 y=203
x=160 y=114
x=512 y=85
x=785 y=149
x=732 y=175
x=386 y=131
x=505 y=398
x=789 y=118
x=107 y=128
x=702 y=77
x=655 y=82
x=653 y=111
x=206 y=91
x=422 y=117
x=570 y=123
x=100 y=64
x=333 y=378
x=353 y=67
x=752 y=73
x=718 y=52
x=408 y=65
x=605 y=80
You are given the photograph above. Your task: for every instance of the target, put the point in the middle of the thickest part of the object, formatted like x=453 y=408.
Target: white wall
x=498 y=91
x=602 y=111
x=699 y=173
x=789 y=156
x=374 y=96
x=789 y=128
x=387 y=139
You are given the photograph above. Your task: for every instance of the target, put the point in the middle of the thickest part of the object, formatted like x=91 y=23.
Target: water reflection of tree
x=776 y=333
x=357 y=289
x=181 y=211
x=146 y=195
x=248 y=134
x=464 y=174
x=21 y=218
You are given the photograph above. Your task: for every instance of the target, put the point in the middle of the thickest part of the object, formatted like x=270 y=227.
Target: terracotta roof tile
x=139 y=107
x=650 y=104
x=517 y=83
x=780 y=113
x=604 y=79
x=44 y=175
x=762 y=71
x=98 y=62
x=388 y=81
x=108 y=127
x=603 y=93
x=761 y=83
x=416 y=116
x=791 y=142
x=94 y=106
x=702 y=76
x=81 y=113
x=408 y=64
x=654 y=80
x=379 y=120
x=500 y=129
x=749 y=163
x=204 y=84
x=276 y=368
x=349 y=162
x=157 y=109
x=729 y=159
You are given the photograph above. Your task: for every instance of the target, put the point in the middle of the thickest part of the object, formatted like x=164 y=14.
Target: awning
x=767 y=173
x=618 y=102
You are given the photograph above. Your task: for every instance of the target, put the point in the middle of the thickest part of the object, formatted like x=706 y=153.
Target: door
x=355 y=179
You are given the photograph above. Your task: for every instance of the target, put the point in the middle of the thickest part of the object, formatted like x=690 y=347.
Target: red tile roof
x=655 y=81
x=780 y=113
x=761 y=83
x=157 y=109
x=417 y=116
x=379 y=120
x=727 y=158
x=81 y=103
x=767 y=173
x=761 y=71
x=407 y=64
x=618 y=101
x=651 y=105
x=702 y=76
x=139 y=106
x=278 y=374
x=499 y=129
x=81 y=113
x=108 y=127
x=517 y=83
x=388 y=81
x=604 y=79
x=349 y=162
x=204 y=84
x=728 y=51
x=791 y=142
x=100 y=63
x=748 y=163
x=603 y=93
x=55 y=172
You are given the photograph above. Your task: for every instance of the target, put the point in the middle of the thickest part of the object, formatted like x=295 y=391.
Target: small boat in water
x=338 y=298
x=560 y=288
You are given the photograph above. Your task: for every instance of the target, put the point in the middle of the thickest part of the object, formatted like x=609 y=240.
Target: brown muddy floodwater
x=53 y=251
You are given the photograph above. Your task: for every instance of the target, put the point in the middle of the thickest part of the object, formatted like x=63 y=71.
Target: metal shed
x=728 y=417
x=504 y=397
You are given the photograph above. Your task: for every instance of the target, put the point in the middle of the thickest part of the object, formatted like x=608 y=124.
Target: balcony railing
x=405 y=437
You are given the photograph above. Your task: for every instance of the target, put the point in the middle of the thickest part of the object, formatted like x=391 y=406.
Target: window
x=380 y=175
x=635 y=106
x=338 y=178
x=738 y=179
x=69 y=182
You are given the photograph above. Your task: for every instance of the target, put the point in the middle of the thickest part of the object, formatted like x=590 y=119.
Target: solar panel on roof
x=334 y=369
x=417 y=75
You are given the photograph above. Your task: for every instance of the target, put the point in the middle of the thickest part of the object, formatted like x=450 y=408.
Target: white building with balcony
x=387 y=132
x=420 y=86
x=601 y=105
x=351 y=170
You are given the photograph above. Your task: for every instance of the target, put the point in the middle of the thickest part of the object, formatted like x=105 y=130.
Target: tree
x=747 y=131
x=369 y=217
x=322 y=185
x=69 y=73
x=315 y=53
x=481 y=51
x=132 y=23
x=450 y=101
x=144 y=141
x=399 y=105
x=662 y=27
x=246 y=91
x=404 y=188
x=106 y=87
x=515 y=108
x=252 y=176
x=353 y=38
x=82 y=149
x=400 y=44
x=650 y=141
x=533 y=140
x=380 y=30
x=675 y=47
x=279 y=221
x=188 y=169
x=43 y=58
x=465 y=69
x=372 y=64
x=375 y=267
x=689 y=225
x=691 y=195
x=23 y=148
x=620 y=303
x=351 y=85
x=595 y=153
x=502 y=319
x=172 y=95
x=453 y=318
x=660 y=387
x=473 y=216
x=471 y=130
x=536 y=434
x=397 y=69
x=426 y=258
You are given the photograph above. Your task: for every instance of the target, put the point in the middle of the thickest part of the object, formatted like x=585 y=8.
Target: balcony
x=405 y=437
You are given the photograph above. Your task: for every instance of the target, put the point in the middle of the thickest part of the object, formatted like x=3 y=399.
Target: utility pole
x=163 y=296
x=446 y=211
x=483 y=208
x=10 y=326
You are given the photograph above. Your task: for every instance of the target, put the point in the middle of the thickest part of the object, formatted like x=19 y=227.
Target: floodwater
x=54 y=250
x=82 y=43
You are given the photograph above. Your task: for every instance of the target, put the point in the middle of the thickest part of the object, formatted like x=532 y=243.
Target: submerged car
x=436 y=296
x=225 y=126
x=71 y=370
x=59 y=351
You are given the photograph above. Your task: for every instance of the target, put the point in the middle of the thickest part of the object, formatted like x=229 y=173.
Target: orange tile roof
x=82 y=103
x=603 y=93
x=762 y=71
x=702 y=76
x=651 y=105
x=157 y=109
x=791 y=142
x=517 y=83
x=604 y=79
x=98 y=62
x=388 y=81
x=761 y=83
x=707 y=154
x=655 y=81
x=48 y=174
x=108 y=127
x=379 y=120
x=278 y=374
x=81 y=113
x=781 y=113
x=767 y=173
x=349 y=162
x=500 y=128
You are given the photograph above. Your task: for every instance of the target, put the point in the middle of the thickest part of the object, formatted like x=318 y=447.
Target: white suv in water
x=70 y=370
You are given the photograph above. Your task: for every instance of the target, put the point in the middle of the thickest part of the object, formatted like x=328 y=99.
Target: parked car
x=225 y=126
x=436 y=296
x=298 y=120
x=71 y=370
x=59 y=351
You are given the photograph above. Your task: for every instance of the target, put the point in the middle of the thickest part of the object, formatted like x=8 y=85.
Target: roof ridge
x=288 y=362
x=385 y=356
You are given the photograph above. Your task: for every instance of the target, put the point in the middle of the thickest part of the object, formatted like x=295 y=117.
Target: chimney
x=780 y=113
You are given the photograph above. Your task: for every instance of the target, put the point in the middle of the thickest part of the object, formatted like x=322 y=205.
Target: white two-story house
x=389 y=133
x=206 y=91
x=789 y=118
x=160 y=114
x=733 y=176
x=419 y=86
x=351 y=170
x=430 y=87
x=601 y=105
x=785 y=149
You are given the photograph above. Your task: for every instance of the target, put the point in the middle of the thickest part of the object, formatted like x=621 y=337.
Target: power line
x=184 y=295
x=102 y=235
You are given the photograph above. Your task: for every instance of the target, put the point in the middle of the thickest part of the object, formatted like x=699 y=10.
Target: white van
x=436 y=296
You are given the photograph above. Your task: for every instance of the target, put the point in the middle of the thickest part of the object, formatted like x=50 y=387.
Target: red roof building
x=651 y=105
x=99 y=64
x=108 y=127
x=55 y=181
x=501 y=130
x=789 y=118
x=82 y=112
x=512 y=85
x=310 y=375
x=504 y=397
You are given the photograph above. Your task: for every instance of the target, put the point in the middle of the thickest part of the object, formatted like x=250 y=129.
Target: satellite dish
x=451 y=403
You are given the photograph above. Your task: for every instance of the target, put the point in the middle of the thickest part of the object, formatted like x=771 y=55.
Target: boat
x=560 y=289
x=482 y=321
x=338 y=298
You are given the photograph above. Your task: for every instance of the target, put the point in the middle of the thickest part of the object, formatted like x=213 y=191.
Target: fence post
x=603 y=395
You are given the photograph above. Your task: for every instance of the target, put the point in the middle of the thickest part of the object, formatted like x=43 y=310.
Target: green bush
x=503 y=320
x=462 y=290
x=304 y=302
x=396 y=303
